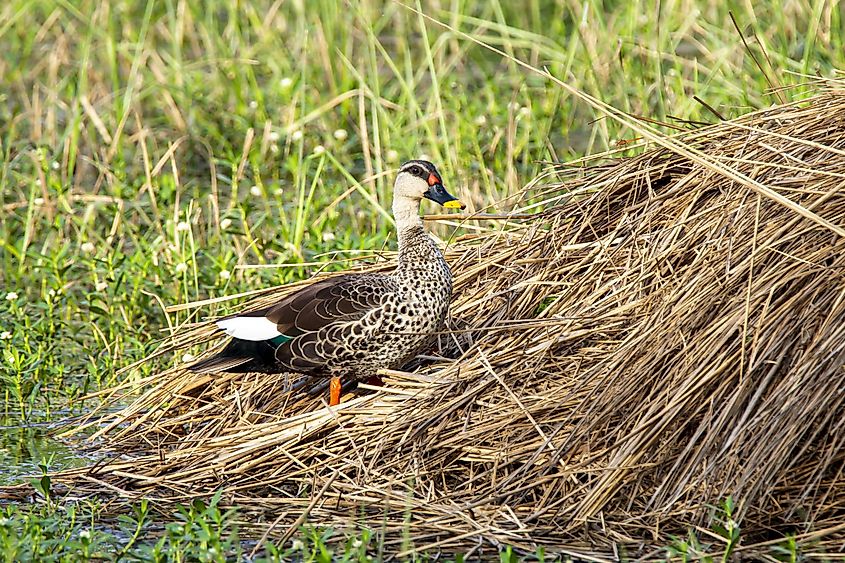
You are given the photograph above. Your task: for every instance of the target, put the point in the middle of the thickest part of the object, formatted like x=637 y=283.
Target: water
x=26 y=445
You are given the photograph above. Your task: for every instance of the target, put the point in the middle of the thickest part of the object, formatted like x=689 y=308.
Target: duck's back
x=353 y=324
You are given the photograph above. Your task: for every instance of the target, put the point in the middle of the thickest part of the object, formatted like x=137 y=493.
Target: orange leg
x=335 y=388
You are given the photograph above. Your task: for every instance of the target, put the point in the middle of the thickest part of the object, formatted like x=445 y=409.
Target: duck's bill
x=439 y=194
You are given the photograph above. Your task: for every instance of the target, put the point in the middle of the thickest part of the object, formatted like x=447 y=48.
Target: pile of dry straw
x=669 y=331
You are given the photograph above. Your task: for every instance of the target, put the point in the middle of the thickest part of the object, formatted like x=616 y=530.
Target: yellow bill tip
x=454 y=204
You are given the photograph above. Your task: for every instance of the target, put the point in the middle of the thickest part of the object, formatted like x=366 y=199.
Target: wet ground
x=25 y=445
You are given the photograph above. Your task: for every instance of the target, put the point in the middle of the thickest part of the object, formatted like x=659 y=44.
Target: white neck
x=406 y=213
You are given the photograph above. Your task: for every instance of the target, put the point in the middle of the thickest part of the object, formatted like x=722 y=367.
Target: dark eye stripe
x=416 y=169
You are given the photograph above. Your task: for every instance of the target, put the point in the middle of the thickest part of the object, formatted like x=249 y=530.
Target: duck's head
x=418 y=179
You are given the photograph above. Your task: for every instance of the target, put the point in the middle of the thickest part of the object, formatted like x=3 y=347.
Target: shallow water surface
x=26 y=445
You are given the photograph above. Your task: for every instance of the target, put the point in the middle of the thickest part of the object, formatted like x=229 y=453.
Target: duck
x=351 y=326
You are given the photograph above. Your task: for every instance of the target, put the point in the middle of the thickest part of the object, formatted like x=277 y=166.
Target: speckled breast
x=404 y=327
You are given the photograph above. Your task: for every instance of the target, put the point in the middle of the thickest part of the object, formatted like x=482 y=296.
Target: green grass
x=150 y=150
x=74 y=531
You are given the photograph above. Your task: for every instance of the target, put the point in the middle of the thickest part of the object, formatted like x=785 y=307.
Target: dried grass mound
x=667 y=332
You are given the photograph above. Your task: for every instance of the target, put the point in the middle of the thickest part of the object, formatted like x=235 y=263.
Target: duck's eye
x=416 y=171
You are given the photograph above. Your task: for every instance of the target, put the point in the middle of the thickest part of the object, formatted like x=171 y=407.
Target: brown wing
x=339 y=299
x=314 y=319
x=290 y=335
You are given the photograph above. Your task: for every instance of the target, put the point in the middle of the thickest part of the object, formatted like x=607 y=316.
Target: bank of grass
x=203 y=531
x=155 y=152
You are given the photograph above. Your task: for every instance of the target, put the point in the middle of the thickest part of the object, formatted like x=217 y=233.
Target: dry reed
x=659 y=337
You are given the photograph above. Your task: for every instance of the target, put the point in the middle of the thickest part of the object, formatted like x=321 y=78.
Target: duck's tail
x=241 y=356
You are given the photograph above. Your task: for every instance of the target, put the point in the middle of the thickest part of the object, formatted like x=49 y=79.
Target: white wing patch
x=249 y=328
